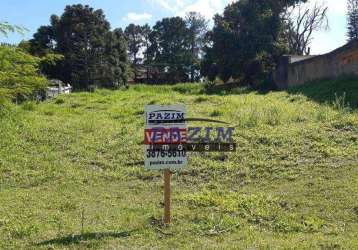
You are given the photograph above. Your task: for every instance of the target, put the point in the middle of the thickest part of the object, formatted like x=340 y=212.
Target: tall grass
x=72 y=176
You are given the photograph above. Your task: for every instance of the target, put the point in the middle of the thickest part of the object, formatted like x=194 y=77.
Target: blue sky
x=34 y=13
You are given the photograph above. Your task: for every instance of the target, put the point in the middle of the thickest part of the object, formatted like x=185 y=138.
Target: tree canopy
x=170 y=48
x=138 y=43
x=246 y=41
x=198 y=27
x=352 y=20
x=6 y=28
x=301 y=21
x=135 y=40
x=19 y=75
x=83 y=36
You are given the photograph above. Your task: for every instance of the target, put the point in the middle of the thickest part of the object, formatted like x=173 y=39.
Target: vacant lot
x=71 y=172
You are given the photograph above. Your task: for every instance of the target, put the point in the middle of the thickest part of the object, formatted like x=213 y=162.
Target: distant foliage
x=198 y=27
x=19 y=75
x=246 y=41
x=49 y=63
x=6 y=28
x=172 y=49
x=301 y=21
x=352 y=20
x=169 y=49
x=137 y=38
x=92 y=53
x=113 y=69
x=25 y=46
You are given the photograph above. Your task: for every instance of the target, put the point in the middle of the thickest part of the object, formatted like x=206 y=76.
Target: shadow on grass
x=226 y=89
x=343 y=90
x=76 y=239
x=217 y=89
x=135 y=164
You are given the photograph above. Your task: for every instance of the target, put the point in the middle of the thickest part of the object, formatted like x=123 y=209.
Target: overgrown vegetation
x=341 y=92
x=92 y=53
x=352 y=20
x=19 y=75
x=246 y=41
x=71 y=172
x=245 y=44
x=71 y=168
x=6 y=28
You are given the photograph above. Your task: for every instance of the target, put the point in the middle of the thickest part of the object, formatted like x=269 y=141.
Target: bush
x=29 y=106
x=19 y=75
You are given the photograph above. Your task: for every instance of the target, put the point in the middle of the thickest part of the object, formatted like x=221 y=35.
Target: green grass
x=72 y=177
x=339 y=91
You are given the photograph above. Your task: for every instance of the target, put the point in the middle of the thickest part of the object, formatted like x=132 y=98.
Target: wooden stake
x=167 y=177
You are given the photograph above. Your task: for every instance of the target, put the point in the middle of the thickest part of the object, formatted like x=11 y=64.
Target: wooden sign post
x=164 y=125
x=167 y=177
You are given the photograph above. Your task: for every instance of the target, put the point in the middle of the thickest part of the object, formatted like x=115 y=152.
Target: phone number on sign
x=161 y=153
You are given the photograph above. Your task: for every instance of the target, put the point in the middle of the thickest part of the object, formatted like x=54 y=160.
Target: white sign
x=165 y=127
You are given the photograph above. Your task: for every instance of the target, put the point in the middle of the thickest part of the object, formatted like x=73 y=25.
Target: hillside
x=71 y=173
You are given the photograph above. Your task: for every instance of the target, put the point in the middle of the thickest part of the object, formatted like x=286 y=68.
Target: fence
x=294 y=70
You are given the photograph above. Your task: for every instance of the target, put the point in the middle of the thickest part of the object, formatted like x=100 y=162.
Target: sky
x=34 y=13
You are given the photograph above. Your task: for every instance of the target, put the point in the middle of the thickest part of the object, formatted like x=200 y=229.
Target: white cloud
x=207 y=8
x=324 y=41
x=335 y=7
x=137 y=17
x=169 y=5
x=210 y=7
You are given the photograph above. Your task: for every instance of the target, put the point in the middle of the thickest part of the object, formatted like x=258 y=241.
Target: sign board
x=164 y=126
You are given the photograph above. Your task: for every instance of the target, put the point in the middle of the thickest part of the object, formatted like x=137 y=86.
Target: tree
x=138 y=43
x=146 y=31
x=198 y=27
x=246 y=41
x=301 y=22
x=352 y=20
x=43 y=42
x=170 y=49
x=115 y=73
x=6 y=28
x=43 y=45
x=25 y=46
x=135 y=40
x=82 y=35
x=19 y=75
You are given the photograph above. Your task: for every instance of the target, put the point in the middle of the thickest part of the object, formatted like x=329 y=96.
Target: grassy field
x=72 y=177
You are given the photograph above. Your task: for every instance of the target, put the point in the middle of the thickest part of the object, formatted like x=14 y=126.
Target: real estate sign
x=165 y=126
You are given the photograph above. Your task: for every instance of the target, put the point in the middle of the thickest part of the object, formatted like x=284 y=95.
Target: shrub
x=19 y=75
x=29 y=106
x=59 y=101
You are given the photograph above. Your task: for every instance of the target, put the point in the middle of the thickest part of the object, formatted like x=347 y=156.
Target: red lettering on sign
x=165 y=136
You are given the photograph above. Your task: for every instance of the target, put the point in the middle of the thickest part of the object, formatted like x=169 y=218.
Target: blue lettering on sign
x=222 y=135
x=162 y=116
x=151 y=116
